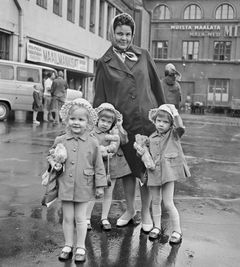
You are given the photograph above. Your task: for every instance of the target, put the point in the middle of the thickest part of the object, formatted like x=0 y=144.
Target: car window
x=6 y=72
x=28 y=75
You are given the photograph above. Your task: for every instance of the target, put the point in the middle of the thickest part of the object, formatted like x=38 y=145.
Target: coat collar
x=112 y=59
x=83 y=137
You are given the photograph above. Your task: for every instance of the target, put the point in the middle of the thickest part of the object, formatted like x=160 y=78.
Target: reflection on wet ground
x=211 y=146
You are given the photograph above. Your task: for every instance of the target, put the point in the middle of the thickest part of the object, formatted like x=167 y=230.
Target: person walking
x=47 y=98
x=59 y=94
x=171 y=86
x=37 y=102
x=170 y=165
x=84 y=176
x=110 y=133
x=126 y=77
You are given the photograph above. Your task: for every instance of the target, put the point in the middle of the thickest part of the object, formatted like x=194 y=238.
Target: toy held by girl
x=37 y=104
x=170 y=165
x=110 y=134
x=84 y=176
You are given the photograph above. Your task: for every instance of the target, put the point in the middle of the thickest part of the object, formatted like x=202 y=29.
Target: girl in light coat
x=84 y=176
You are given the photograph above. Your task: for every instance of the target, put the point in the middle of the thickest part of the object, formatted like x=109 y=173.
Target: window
x=160 y=49
x=192 y=12
x=224 y=11
x=101 y=18
x=57 y=7
x=4 y=45
x=82 y=13
x=161 y=12
x=28 y=75
x=92 y=15
x=70 y=10
x=110 y=15
x=42 y=3
x=190 y=50
x=6 y=72
x=222 y=50
x=218 y=90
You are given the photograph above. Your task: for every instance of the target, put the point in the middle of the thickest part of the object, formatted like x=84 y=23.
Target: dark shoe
x=80 y=256
x=106 y=226
x=64 y=256
x=176 y=238
x=155 y=233
x=89 y=226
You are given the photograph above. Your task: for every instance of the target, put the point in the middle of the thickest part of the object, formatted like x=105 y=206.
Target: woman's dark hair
x=124 y=19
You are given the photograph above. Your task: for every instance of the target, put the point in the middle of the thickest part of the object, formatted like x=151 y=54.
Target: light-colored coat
x=168 y=157
x=84 y=168
x=133 y=88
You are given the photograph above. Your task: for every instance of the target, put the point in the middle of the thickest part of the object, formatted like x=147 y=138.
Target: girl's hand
x=99 y=192
x=58 y=166
x=140 y=150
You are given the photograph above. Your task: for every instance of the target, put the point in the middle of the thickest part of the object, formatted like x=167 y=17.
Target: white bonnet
x=81 y=102
x=108 y=106
x=152 y=112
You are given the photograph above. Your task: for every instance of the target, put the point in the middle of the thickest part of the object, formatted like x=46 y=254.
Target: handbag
x=51 y=192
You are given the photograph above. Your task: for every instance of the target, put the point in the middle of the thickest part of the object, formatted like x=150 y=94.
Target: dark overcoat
x=133 y=87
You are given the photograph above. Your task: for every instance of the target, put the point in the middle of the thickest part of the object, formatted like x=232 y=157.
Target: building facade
x=202 y=39
x=67 y=35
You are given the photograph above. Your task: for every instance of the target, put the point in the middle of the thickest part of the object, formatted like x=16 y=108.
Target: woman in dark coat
x=126 y=77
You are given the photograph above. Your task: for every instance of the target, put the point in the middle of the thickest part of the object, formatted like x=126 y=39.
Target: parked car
x=16 y=86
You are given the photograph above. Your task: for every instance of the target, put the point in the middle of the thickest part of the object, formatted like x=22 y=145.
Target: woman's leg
x=80 y=209
x=107 y=200
x=129 y=185
x=145 y=201
x=156 y=193
x=68 y=222
x=167 y=193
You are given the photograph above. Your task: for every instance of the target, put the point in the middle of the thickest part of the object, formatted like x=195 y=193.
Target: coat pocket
x=173 y=159
x=89 y=176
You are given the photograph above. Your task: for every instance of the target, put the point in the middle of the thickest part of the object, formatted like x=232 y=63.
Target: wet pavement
x=209 y=203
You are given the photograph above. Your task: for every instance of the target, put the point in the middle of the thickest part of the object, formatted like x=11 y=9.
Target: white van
x=16 y=86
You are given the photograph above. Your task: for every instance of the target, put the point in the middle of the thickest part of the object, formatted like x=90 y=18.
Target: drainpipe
x=20 y=30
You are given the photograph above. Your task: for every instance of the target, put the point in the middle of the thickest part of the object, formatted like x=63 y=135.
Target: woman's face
x=123 y=37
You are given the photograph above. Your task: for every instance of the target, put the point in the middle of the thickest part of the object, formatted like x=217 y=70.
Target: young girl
x=37 y=102
x=170 y=165
x=110 y=134
x=84 y=176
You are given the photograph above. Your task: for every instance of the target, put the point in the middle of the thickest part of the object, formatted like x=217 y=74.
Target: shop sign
x=37 y=53
x=213 y=30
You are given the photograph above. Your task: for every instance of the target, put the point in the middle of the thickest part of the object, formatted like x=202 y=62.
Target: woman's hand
x=99 y=192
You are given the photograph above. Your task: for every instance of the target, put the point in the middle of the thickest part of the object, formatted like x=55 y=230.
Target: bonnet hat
x=152 y=113
x=108 y=106
x=80 y=102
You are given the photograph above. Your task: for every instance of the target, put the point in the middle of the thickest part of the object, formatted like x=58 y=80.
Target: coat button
x=72 y=162
x=133 y=96
x=74 y=150
x=70 y=175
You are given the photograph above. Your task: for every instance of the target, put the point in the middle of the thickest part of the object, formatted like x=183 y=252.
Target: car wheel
x=4 y=111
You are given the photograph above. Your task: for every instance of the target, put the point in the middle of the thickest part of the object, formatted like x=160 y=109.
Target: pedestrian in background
x=166 y=150
x=110 y=133
x=37 y=104
x=47 y=98
x=171 y=87
x=84 y=176
x=126 y=77
x=59 y=95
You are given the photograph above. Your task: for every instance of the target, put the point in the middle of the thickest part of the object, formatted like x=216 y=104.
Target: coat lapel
x=114 y=62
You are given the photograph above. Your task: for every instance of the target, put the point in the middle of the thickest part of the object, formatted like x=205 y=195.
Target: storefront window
x=190 y=50
x=161 y=12
x=160 y=49
x=101 y=18
x=42 y=3
x=222 y=50
x=82 y=13
x=224 y=11
x=4 y=45
x=192 y=12
x=92 y=15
